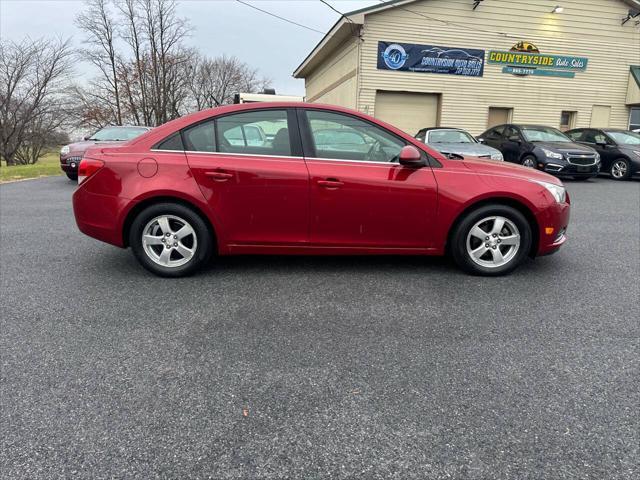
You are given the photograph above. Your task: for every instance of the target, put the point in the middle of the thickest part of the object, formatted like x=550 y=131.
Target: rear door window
x=261 y=132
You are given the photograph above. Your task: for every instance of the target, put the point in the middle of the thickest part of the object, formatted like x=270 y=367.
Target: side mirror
x=410 y=156
x=481 y=140
x=85 y=138
x=514 y=138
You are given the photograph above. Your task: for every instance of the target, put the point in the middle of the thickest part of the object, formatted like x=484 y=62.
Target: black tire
x=529 y=158
x=72 y=176
x=620 y=162
x=203 y=248
x=458 y=240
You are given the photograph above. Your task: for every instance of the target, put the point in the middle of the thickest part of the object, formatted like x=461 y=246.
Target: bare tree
x=33 y=79
x=214 y=81
x=98 y=24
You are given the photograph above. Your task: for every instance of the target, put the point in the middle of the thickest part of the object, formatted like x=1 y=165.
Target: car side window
x=201 y=137
x=576 y=135
x=495 y=133
x=594 y=136
x=422 y=135
x=260 y=132
x=172 y=142
x=344 y=137
x=511 y=133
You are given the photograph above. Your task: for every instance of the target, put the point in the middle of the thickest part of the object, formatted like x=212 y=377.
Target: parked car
x=70 y=155
x=544 y=148
x=456 y=141
x=619 y=150
x=183 y=192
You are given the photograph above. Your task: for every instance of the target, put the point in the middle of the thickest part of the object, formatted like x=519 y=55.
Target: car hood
x=473 y=149
x=506 y=169
x=80 y=147
x=565 y=147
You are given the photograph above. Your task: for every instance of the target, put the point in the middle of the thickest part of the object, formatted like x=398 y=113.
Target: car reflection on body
x=455 y=141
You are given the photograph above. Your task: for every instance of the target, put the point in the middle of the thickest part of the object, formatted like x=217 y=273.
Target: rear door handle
x=330 y=183
x=219 y=176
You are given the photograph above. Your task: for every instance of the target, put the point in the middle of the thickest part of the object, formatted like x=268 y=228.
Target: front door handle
x=330 y=183
x=219 y=176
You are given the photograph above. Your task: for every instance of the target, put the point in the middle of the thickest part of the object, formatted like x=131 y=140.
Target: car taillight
x=88 y=167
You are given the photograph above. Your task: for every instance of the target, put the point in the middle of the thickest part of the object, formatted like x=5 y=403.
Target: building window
x=567 y=120
x=634 y=119
x=499 y=116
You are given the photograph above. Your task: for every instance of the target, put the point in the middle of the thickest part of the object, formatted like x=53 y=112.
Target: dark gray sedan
x=455 y=141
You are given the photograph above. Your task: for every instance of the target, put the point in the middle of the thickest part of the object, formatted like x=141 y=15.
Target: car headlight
x=597 y=157
x=496 y=156
x=552 y=154
x=64 y=150
x=558 y=192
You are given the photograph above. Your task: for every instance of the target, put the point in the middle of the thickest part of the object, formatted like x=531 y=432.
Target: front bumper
x=553 y=223
x=69 y=163
x=564 y=168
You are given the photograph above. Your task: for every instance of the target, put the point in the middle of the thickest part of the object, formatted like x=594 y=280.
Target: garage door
x=408 y=111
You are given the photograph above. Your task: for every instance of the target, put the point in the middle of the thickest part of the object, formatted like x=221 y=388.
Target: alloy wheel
x=493 y=242
x=529 y=162
x=169 y=241
x=619 y=169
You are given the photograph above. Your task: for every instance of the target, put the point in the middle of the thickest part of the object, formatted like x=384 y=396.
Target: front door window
x=343 y=137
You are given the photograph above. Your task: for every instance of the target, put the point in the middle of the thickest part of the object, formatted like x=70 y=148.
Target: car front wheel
x=170 y=240
x=72 y=176
x=529 y=161
x=620 y=169
x=492 y=240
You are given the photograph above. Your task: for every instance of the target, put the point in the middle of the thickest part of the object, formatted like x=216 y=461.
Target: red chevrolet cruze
x=291 y=178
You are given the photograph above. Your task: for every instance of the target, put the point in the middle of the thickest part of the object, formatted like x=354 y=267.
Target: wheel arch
x=504 y=201
x=147 y=202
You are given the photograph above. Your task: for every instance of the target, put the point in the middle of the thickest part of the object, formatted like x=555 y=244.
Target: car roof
x=440 y=128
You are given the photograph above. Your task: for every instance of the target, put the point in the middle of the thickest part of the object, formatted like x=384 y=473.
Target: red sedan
x=292 y=178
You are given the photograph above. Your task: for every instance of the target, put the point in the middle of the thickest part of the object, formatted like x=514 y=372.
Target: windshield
x=625 y=138
x=117 y=133
x=544 y=134
x=450 y=136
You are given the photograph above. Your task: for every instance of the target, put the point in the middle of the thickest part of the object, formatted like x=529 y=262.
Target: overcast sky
x=273 y=46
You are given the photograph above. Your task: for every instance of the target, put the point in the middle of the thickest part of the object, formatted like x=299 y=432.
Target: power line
x=279 y=17
x=342 y=15
x=446 y=22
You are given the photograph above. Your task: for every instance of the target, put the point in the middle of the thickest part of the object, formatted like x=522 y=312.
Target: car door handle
x=219 y=176
x=330 y=183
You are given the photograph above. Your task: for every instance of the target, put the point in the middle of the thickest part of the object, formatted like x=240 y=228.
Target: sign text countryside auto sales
x=411 y=57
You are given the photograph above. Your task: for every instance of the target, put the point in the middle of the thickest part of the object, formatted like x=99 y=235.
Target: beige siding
x=589 y=28
x=336 y=81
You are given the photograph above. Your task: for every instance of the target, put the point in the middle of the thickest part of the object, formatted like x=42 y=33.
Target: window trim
x=309 y=144
x=294 y=134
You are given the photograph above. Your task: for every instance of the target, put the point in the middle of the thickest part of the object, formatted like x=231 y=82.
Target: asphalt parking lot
x=276 y=367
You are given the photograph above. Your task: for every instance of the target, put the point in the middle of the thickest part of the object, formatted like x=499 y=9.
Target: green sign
x=538 y=60
x=533 y=71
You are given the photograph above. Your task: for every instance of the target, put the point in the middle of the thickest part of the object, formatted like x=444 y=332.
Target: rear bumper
x=553 y=223
x=98 y=216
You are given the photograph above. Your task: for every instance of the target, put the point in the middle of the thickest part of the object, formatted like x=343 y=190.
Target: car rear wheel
x=529 y=161
x=72 y=176
x=620 y=169
x=492 y=240
x=170 y=240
